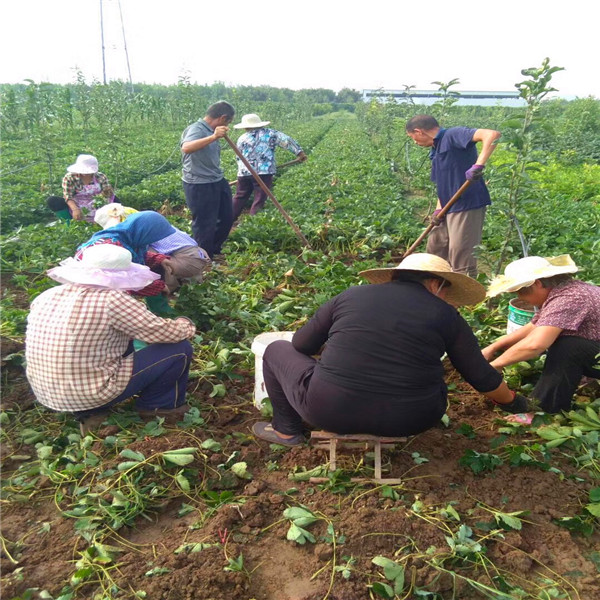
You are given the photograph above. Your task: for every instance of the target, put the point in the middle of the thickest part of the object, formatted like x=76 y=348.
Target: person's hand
x=474 y=173
x=221 y=131
x=435 y=218
x=488 y=353
x=520 y=404
x=302 y=157
x=77 y=214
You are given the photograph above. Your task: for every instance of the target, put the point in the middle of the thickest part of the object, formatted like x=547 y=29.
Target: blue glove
x=474 y=173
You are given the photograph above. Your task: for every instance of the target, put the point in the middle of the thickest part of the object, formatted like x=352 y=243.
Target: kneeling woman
x=79 y=340
x=380 y=371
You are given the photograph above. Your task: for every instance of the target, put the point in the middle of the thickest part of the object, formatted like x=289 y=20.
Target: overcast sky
x=304 y=44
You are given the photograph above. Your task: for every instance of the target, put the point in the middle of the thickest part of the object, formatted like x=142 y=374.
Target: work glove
x=474 y=173
x=435 y=219
x=520 y=404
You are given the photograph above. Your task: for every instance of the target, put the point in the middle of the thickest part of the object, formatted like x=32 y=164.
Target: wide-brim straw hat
x=104 y=265
x=112 y=214
x=86 y=164
x=251 y=121
x=463 y=291
x=523 y=272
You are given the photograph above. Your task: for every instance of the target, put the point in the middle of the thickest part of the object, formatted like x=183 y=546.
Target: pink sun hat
x=106 y=266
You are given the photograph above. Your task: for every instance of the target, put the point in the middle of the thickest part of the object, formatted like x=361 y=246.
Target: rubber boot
x=159 y=305
x=64 y=215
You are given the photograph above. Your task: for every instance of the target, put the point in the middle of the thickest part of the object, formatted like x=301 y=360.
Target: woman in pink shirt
x=567 y=326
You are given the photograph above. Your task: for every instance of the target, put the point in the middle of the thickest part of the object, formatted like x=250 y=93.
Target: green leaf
x=211 y=445
x=383 y=590
x=132 y=455
x=183 y=481
x=177 y=458
x=241 y=470
x=157 y=571
x=512 y=522
x=594 y=509
x=128 y=464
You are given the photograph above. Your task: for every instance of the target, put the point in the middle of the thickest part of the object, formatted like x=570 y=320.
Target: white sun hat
x=104 y=265
x=251 y=121
x=464 y=290
x=524 y=271
x=86 y=164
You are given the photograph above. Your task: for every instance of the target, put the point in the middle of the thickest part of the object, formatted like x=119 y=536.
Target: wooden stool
x=327 y=440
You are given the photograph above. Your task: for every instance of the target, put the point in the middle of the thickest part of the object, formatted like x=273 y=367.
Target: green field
x=487 y=509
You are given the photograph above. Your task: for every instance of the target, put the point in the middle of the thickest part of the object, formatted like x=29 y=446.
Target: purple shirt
x=574 y=307
x=453 y=152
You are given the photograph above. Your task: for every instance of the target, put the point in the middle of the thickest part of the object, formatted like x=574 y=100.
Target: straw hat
x=463 y=291
x=112 y=214
x=523 y=272
x=104 y=265
x=251 y=121
x=86 y=164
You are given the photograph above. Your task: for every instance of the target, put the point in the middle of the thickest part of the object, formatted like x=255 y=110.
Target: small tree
x=521 y=142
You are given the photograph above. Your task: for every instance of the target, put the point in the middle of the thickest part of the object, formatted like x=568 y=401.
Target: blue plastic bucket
x=519 y=314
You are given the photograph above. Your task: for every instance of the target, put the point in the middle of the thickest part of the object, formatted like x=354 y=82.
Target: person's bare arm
x=489 y=139
x=540 y=339
x=195 y=145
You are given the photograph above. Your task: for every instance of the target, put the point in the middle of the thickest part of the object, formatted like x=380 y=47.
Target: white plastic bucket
x=519 y=314
x=259 y=345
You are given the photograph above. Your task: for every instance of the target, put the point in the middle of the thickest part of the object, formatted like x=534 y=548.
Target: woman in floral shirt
x=82 y=183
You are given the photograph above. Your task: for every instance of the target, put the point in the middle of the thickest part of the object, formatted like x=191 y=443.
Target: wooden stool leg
x=377 y=448
x=332 y=454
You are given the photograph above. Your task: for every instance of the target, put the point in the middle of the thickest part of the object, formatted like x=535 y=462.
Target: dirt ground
x=368 y=521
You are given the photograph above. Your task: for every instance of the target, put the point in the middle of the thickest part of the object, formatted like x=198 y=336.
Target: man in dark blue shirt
x=454 y=158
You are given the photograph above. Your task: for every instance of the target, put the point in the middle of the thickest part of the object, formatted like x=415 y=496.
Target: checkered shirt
x=177 y=241
x=73 y=183
x=76 y=338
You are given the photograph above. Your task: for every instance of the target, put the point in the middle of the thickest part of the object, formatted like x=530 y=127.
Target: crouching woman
x=380 y=371
x=567 y=326
x=79 y=341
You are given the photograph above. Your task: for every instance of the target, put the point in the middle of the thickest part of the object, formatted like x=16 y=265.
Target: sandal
x=265 y=431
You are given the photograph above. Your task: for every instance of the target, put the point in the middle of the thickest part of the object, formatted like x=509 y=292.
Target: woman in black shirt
x=380 y=370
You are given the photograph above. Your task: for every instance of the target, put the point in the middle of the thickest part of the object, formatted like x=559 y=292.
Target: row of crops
x=201 y=510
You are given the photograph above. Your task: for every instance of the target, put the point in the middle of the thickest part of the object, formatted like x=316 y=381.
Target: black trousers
x=298 y=393
x=212 y=216
x=567 y=361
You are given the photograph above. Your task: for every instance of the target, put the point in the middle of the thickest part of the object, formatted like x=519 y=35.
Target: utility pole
x=125 y=46
x=102 y=38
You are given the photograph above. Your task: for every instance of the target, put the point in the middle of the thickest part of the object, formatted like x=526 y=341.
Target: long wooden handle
x=440 y=215
x=267 y=191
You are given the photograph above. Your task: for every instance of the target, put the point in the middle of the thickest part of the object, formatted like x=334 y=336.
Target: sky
x=307 y=44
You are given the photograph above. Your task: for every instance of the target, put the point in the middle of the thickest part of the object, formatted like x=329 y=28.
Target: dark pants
x=245 y=187
x=211 y=208
x=297 y=392
x=159 y=378
x=567 y=361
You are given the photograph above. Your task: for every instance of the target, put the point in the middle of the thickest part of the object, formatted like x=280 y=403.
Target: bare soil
x=370 y=524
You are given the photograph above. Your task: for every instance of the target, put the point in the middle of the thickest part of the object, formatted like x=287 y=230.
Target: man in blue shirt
x=454 y=158
x=207 y=193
